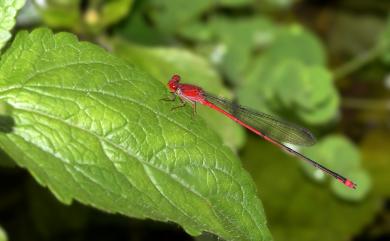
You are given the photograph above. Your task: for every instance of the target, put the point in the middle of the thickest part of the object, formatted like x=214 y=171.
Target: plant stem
x=366 y=104
x=358 y=62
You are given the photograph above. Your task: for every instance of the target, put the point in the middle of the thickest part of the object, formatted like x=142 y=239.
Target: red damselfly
x=268 y=127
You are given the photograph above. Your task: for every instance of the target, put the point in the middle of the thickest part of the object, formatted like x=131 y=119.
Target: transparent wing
x=278 y=130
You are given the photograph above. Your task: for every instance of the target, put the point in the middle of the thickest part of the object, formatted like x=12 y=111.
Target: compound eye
x=176 y=78
x=172 y=85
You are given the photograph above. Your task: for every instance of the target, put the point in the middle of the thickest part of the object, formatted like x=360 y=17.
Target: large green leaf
x=8 y=11
x=162 y=63
x=5 y=160
x=92 y=128
x=6 y=126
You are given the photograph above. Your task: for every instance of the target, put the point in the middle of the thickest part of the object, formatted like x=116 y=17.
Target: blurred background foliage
x=322 y=64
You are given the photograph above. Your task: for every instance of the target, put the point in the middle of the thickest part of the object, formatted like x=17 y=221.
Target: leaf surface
x=8 y=11
x=92 y=128
x=162 y=63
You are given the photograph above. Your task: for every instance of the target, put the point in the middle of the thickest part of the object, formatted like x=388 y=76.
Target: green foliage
x=172 y=15
x=384 y=43
x=338 y=153
x=6 y=126
x=376 y=155
x=136 y=29
x=67 y=14
x=275 y=5
x=309 y=213
x=58 y=13
x=297 y=43
x=310 y=90
x=239 y=40
x=8 y=10
x=162 y=63
x=285 y=78
x=92 y=128
x=104 y=13
x=234 y=41
x=3 y=235
x=363 y=180
x=5 y=160
x=85 y=118
x=269 y=68
x=366 y=37
x=234 y=3
x=290 y=85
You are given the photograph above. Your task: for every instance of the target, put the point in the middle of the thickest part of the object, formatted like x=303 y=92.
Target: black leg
x=179 y=106
x=172 y=98
x=194 y=109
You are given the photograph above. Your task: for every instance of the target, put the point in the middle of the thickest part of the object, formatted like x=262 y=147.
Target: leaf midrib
x=150 y=109
x=103 y=140
x=24 y=85
x=141 y=160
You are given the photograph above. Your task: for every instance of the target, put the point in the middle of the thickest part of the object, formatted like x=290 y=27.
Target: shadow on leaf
x=7 y=124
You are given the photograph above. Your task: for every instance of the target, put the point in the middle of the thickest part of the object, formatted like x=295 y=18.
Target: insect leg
x=194 y=109
x=179 y=106
x=172 y=98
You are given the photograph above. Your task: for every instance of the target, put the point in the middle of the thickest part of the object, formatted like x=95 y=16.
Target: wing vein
x=270 y=126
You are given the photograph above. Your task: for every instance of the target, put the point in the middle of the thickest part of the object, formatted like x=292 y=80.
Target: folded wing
x=279 y=130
